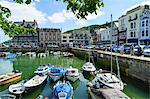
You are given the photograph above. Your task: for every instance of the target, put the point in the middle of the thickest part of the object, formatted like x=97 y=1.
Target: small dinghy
x=56 y=73
x=42 y=70
x=72 y=74
x=63 y=90
x=18 y=88
x=35 y=81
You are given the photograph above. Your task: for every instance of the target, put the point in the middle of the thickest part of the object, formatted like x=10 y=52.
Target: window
x=70 y=40
x=134 y=34
x=64 y=40
x=64 y=37
x=107 y=36
x=131 y=34
x=146 y=22
x=143 y=33
x=146 y=6
x=146 y=32
x=131 y=25
x=142 y=23
x=134 y=24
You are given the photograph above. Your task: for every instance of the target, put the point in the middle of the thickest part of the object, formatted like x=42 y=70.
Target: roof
x=27 y=24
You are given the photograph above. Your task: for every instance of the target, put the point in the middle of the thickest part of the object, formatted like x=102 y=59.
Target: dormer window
x=146 y=6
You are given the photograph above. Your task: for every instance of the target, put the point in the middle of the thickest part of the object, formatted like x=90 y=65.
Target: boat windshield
x=113 y=82
x=55 y=71
x=40 y=69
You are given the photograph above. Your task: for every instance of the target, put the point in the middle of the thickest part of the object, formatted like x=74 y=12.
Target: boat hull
x=88 y=74
x=15 y=78
x=56 y=78
x=72 y=78
x=35 y=82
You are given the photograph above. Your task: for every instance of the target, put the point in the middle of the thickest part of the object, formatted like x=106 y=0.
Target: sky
x=53 y=14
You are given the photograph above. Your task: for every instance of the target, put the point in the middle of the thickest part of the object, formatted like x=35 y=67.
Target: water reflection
x=6 y=66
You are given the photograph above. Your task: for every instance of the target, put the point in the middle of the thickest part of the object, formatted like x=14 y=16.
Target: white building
x=144 y=27
x=67 y=39
x=133 y=20
x=104 y=34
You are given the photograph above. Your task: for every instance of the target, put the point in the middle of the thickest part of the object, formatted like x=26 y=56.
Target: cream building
x=82 y=37
x=67 y=39
x=104 y=35
x=49 y=37
x=133 y=17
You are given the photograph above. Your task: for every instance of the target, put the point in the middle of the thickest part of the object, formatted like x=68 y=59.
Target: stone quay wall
x=131 y=66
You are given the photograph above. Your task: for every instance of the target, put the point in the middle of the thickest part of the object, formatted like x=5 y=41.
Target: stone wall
x=130 y=66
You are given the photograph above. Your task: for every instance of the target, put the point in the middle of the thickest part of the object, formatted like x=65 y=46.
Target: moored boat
x=18 y=88
x=9 y=77
x=88 y=70
x=42 y=70
x=30 y=54
x=106 y=93
x=109 y=80
x=63 y=90
x=7 y=96
x=72 y=74
x=35 y=81
x=10 y=55
x=56 y=73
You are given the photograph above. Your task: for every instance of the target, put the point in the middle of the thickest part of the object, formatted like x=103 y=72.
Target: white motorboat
x=42 y=70
x=107 y=79
x=42 y=54
x=35 y=81
x=89 y=67
x=31 y=54
x=17 y=88
x=72 y=74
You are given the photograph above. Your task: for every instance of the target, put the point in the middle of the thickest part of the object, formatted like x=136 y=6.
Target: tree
x=81 y=8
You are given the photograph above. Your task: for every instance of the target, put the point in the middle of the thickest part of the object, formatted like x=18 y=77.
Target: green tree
x=81 y=8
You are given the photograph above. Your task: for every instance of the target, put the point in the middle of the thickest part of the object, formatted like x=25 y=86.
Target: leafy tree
x=81 y=8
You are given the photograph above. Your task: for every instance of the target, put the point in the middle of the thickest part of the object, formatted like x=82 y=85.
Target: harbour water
x=27 y=65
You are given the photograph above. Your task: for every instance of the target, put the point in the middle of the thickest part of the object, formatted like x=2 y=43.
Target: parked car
x=146 y=51
x=115 y=48
x=127 y=48
x=138 y=50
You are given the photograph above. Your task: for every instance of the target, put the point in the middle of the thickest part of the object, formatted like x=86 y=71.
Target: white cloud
x=61 y=17
x=3 y=37
x=134 y=6
x=23 y=11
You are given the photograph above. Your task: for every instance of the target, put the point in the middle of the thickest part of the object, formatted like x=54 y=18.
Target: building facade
x=122 y=30
x=82 y=37
x=144 y=27
x=133 y=20
x=49 y=37
x=67 y=39
x=105 y=35
x=29 y=38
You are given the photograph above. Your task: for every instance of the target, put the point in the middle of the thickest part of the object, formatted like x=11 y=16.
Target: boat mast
x=111 y=42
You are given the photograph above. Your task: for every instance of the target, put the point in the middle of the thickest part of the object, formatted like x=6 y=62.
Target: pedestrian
x=132 y=50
